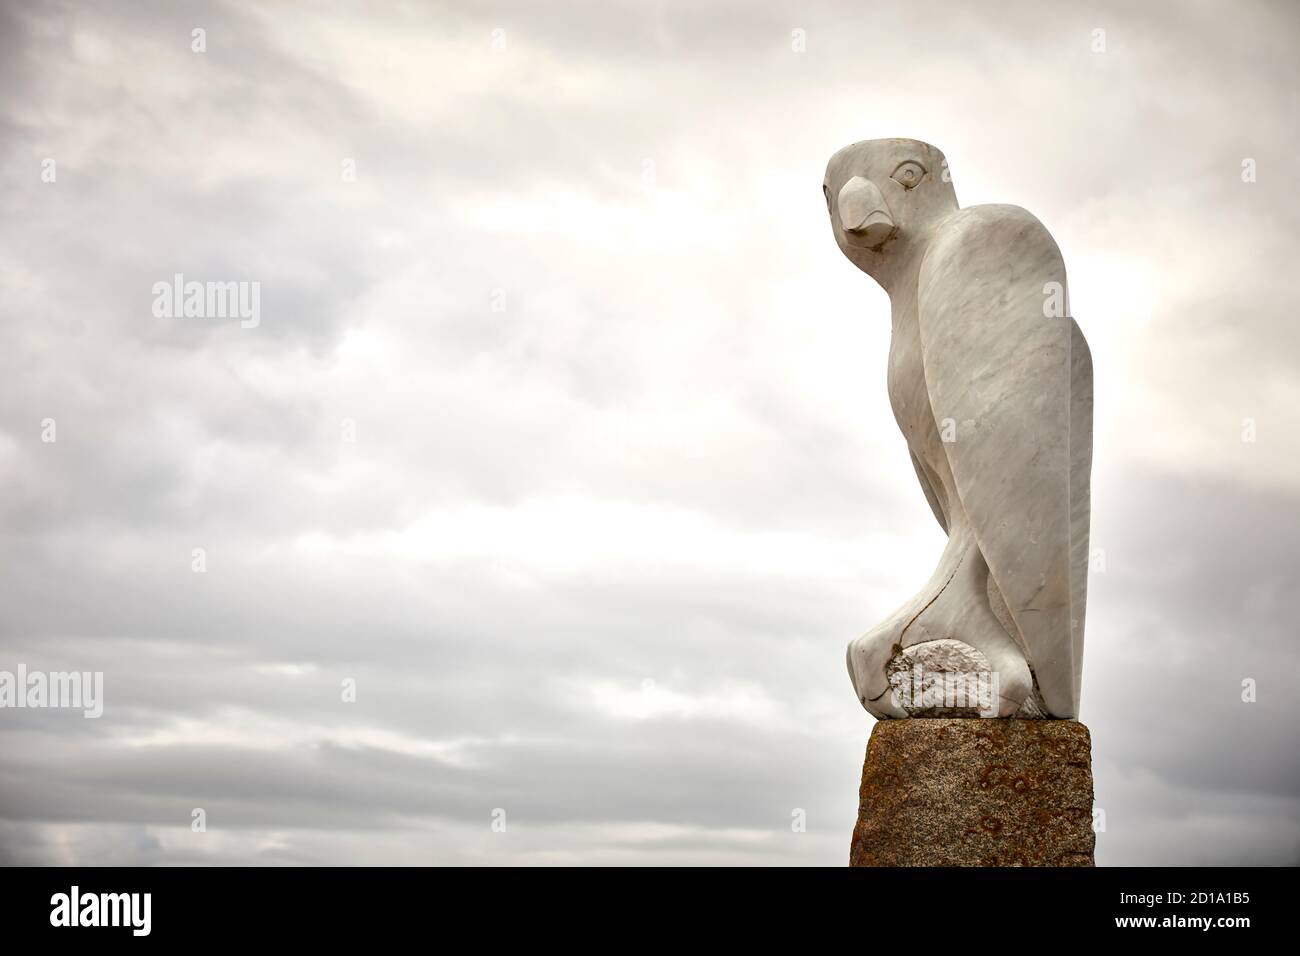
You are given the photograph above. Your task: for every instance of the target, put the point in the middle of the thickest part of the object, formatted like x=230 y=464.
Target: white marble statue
x=991 y=384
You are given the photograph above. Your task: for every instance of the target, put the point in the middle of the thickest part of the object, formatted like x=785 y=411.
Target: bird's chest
x=907 y=392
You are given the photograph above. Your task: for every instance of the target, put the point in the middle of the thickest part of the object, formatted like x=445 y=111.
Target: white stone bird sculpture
x=990 y=381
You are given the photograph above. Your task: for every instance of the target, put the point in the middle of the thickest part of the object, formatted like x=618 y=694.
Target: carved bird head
x=883 y=195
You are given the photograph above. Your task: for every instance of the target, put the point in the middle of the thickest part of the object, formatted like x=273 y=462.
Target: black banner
x=950 y=908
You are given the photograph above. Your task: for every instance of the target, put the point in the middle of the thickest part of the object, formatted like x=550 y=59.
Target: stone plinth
x=972 y=792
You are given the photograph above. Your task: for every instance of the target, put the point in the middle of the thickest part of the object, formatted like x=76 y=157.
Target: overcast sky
x=625 y=480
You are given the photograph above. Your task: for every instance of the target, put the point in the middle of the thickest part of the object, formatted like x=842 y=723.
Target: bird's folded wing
x=996 y=340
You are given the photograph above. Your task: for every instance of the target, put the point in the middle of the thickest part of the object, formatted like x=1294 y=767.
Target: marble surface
x=990 y=382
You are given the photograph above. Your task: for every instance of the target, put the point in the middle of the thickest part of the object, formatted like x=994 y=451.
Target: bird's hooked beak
x=864 y=214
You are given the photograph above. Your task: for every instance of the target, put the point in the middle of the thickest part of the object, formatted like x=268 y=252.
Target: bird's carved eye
x=908 y=174
x=826 y=191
